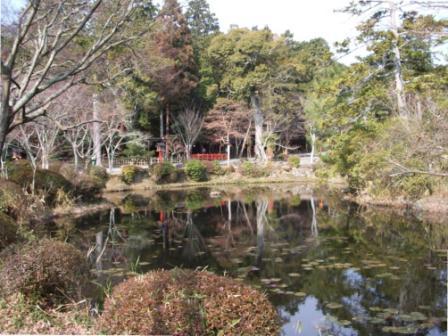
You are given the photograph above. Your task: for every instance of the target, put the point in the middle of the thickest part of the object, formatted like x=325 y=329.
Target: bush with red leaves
x=49 y=270
x=185 y=302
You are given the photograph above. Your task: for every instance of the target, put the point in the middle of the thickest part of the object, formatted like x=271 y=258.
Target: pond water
x=329 y=267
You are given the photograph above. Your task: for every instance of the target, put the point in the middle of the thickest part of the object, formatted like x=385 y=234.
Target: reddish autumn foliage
x=185 y=302
x=49 y=270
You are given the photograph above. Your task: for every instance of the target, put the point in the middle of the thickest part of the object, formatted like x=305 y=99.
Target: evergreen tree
x=201 y=20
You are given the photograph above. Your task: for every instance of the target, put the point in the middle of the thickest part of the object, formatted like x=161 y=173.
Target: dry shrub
x=185 y=302
x=17 y=204
x=47 y=182
x=48 y=270
x=8 y=231
x=11 y=197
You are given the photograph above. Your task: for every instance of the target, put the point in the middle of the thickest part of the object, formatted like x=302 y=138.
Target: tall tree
x=201 y=21
x=243 y=63
x=389 y=33
x=175 y=73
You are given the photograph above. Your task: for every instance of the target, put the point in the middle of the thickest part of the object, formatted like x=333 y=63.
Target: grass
x=19 y=315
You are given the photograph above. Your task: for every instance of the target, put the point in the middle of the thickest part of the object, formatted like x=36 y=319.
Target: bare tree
x=46 y=134
x=25 y=137
x=188 y=125
x=71 y=112
x=44 y=53
x=228 y=121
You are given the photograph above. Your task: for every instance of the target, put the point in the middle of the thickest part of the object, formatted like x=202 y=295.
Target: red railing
x=209 y=157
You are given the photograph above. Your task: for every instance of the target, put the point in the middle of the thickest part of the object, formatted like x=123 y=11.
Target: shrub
x=214 y=168
x=164 y=172
x=187 y=302
x=100 y=174
x=68 y=171
x=18 y=205
x=250 y=169
x=8 y=231
x=229 y=170
x=88 y=187
x=217 y=169
x=46 y=181
x=48 y=270
x=415 y=186
x=294 y=161
x=129 y=174
x=11 y=197
x=196 y=170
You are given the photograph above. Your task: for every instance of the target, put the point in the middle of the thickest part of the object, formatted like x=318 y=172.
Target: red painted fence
x=209 y=157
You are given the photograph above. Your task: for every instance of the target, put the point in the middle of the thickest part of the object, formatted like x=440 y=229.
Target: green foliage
x=201 y=21
x=294 y=161
x=250 y=169
x=129 y=174
x=135 y=150
x=196 y=170
x=217 y=169
x=195 y=199
x=164 y=172
x=415 y=186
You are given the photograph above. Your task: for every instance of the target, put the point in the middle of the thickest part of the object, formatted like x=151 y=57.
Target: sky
x=306 y=19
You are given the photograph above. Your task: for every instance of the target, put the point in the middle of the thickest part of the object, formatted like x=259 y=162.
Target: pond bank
x=76 y=211
x=427 y=207
x=116 y=185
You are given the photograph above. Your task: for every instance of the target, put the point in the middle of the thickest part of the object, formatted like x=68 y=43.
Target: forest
x=131 y=79
x=130 y=96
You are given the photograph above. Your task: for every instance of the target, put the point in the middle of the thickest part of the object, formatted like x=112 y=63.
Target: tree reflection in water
x=364 y=271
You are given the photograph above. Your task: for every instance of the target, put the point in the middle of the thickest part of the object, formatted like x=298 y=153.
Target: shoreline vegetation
x=273 y=132
x=86 y=193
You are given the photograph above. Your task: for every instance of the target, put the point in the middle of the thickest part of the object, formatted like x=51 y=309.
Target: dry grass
x=19 y=315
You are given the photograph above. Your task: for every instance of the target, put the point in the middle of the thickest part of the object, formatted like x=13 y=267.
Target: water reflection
x=329 y=267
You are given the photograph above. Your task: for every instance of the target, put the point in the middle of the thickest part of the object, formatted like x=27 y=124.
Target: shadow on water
x=329 y=267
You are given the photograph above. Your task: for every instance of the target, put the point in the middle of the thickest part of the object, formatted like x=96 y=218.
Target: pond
x=329 y=267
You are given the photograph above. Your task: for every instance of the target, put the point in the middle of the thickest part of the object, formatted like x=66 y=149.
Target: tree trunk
x=313 y=141
x=260 y=153
x=188 y=151
x=161 y=124
x=4 y=125
x=228 y=151
x=75 y=156
x=96 y=131
x=167 y=133
x=44 y=159
x=399 y=84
